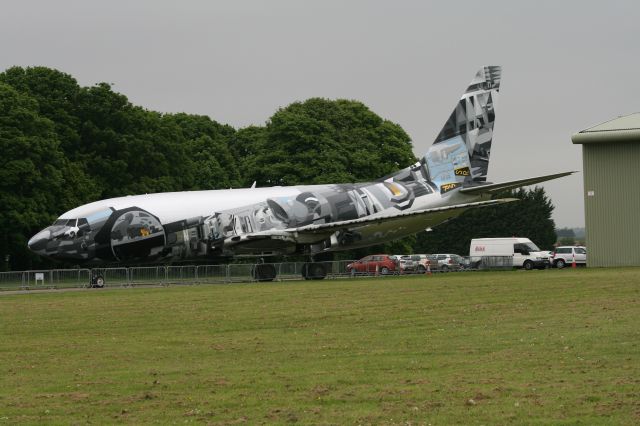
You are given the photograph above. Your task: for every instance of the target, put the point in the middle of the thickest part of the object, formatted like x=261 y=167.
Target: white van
x=525 y=254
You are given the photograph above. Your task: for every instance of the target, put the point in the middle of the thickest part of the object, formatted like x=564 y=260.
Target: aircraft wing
x=424 y=215
x=492 y=188
x=419 y=219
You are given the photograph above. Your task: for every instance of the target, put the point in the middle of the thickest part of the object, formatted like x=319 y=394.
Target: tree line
x=64 y=145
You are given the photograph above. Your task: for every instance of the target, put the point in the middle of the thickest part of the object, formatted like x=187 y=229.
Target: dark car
x=377 y=263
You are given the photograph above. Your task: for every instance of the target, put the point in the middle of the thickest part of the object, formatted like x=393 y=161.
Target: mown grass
x=468 y=348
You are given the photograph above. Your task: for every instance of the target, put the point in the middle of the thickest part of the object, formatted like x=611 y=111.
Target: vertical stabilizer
x=460 y=153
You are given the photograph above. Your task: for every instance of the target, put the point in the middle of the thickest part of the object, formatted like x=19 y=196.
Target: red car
x=381 y=263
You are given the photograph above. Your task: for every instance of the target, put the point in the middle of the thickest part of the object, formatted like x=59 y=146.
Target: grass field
x=554 y=346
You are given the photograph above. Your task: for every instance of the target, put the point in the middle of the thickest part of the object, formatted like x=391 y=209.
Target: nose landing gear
x=97 y=280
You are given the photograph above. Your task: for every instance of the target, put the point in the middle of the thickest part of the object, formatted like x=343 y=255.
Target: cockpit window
x=99 y=215
x=60 y=222
x=71 y=222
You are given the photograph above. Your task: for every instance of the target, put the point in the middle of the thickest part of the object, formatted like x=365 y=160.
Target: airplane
x=303 y=220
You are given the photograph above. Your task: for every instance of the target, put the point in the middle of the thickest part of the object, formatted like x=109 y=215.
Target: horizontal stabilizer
x=492 y=188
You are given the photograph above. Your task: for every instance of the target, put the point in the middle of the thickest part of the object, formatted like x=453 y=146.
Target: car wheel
x=421 y=269
x=445 y=268
x=528 y=265
x=384 y=270
x=560 y=263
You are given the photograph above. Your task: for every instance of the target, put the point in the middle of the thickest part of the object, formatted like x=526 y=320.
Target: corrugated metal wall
x=612 y=203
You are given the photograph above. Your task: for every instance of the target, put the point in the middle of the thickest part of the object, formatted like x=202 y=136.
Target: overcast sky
x=567 y=65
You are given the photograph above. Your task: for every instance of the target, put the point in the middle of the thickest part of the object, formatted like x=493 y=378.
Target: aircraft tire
x=314 y=271
x=263 y=272
x=98 y=281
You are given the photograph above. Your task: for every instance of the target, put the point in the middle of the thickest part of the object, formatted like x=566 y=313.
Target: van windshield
x=532 y=247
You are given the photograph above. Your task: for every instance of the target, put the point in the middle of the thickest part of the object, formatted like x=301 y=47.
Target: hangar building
x=611 y=173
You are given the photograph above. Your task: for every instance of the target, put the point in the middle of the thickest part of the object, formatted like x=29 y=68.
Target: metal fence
x=217 y=274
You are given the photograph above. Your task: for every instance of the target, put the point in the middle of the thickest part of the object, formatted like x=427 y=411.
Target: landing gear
x=314 y=271
x=263 y=272
x=97 y=280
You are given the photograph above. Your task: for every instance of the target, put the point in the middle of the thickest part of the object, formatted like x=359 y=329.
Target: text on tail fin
x=460 y=153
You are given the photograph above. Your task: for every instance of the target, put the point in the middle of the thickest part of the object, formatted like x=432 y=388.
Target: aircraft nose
x=38 y=243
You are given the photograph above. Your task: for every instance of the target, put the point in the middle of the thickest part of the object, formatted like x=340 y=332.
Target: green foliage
x=36 y=179
x=565 y=232
x=323 y=141
x=566 y=241
x=529 y=217
x=207 y=145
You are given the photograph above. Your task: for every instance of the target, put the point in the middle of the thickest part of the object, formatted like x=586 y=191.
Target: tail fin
x=460 y=153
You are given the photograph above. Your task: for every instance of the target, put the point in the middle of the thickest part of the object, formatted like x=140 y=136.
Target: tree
x=36 y=179
x=565 y=232
x=566 y=241
x=323 y=141
x=56 y=94
x=207 y=145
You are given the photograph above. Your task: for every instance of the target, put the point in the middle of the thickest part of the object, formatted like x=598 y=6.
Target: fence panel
x=192 y=274
x=147 y=275
x=12 y=280
x=289 y=271
x=38 y=279
x=113 y=277
x=211 y=274
x=240 y=272
x=182 y=274
x=338 y=269
x=70 y=278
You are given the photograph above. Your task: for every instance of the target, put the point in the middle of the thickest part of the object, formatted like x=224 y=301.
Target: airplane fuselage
x=208 y=224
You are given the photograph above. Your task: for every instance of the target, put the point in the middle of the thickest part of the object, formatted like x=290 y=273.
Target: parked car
x=566 y=254
x=381 y=263
x=422 y=262
x=405 y=263
x=447 y=262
